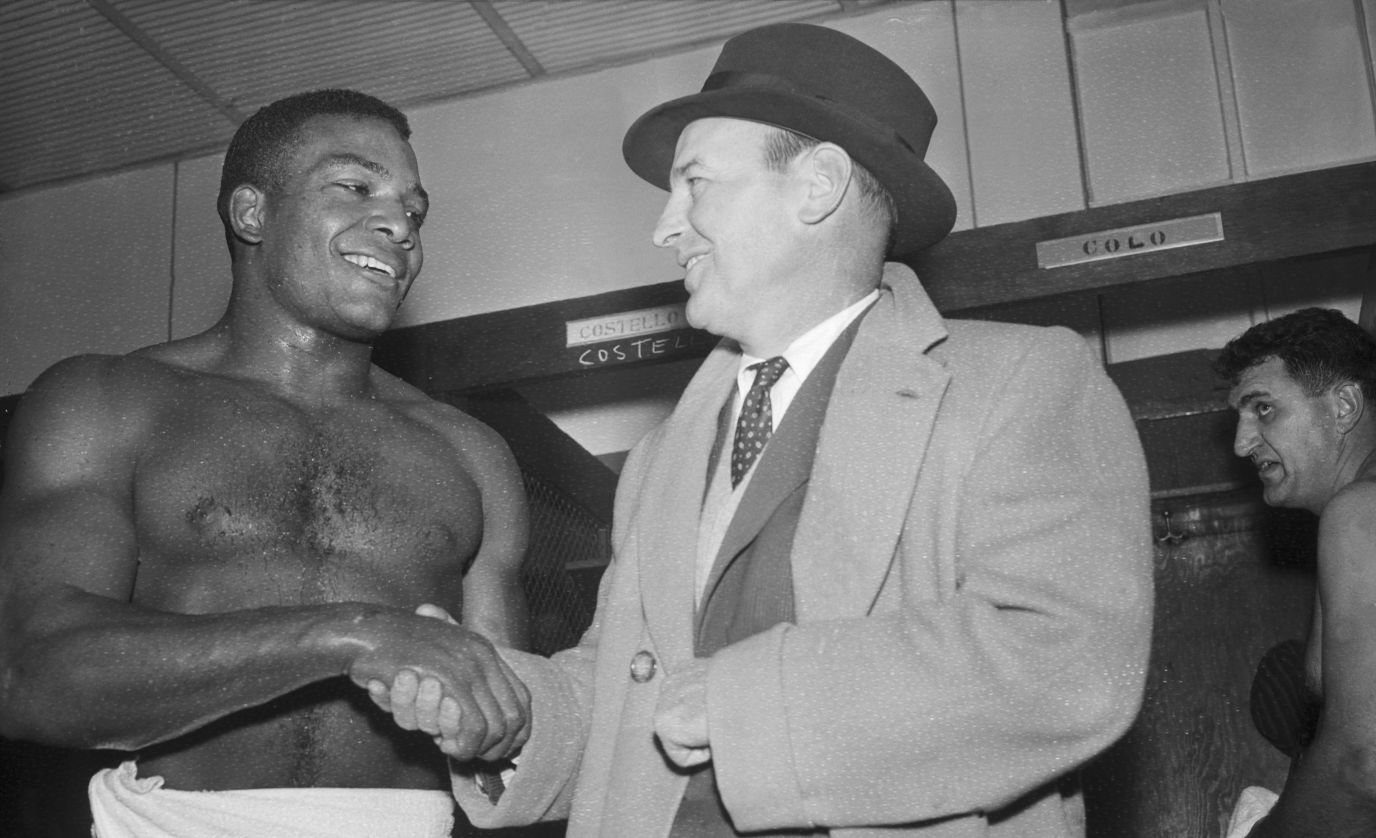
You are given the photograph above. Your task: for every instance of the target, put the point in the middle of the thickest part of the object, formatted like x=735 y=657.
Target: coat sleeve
x=1030 y=662
x=541 y=787
x=562 y=693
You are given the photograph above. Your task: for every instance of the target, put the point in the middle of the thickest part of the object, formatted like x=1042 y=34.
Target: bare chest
x=294 y=508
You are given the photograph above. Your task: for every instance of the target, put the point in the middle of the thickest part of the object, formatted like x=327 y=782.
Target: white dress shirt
x=803 y=355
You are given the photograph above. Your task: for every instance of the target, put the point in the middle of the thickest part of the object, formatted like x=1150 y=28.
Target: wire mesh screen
x=569 y=546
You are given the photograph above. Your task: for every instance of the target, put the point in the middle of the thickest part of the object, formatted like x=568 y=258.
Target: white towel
x=124 y=805
x=1252 y=805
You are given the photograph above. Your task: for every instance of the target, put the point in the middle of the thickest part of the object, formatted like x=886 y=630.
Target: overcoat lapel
x=670 y=506
x=786 y=463
x=873 y=441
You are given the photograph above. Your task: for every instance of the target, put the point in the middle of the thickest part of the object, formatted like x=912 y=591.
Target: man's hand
x=681 y=717
x=436 y=676
x=418 y=703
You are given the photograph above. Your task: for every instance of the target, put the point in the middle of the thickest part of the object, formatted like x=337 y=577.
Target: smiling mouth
x=369 y=263
x=688 y=266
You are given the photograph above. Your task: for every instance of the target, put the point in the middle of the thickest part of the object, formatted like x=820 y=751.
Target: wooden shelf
x=1261 y=221
x=527 y=344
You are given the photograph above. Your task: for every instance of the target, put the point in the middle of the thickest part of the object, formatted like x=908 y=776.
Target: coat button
x=642 y=667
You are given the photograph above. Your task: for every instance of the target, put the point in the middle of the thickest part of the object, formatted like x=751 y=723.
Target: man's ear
x=1349 y=404
x=246 y=209
x=828 y=170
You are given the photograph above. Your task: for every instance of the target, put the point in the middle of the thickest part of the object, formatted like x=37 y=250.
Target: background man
x=929 y=598
x=203 y=542
x=1301 y=384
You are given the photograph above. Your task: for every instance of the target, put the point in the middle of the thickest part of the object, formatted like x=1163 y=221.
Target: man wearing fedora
x=878 y=573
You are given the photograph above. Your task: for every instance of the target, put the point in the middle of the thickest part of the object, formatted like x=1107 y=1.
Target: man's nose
x=670 y=223
x=1244 y=439
x=393 y=221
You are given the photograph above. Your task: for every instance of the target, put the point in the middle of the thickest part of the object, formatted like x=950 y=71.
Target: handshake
x=449 y=682
x=435 y=676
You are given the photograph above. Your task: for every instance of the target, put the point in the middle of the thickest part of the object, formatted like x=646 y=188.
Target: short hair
x=1320 y=348
x=782 y=145
x=264 y=142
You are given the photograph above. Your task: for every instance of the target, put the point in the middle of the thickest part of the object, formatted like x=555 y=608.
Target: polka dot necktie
x=756 y=421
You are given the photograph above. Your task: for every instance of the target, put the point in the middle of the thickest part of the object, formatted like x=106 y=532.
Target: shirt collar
x=806 y=351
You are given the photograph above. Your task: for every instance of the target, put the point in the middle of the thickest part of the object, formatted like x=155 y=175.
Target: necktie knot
x=756 y=422
x=768 y=372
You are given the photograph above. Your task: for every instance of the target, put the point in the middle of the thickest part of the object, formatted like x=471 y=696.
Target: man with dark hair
x=879 y=572
x=263 y=147
x=1301 y=385
x=208 y=547
x=1320 y=348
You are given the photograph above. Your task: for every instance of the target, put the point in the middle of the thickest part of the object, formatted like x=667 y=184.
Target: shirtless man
x=209 y=546
x=1304 y=387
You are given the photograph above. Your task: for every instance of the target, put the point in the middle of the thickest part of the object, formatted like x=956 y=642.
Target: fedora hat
x=829 y=86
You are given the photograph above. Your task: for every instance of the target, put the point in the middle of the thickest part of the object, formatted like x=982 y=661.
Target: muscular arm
x=81 y=665
x=494 y=602
x=1331 y=789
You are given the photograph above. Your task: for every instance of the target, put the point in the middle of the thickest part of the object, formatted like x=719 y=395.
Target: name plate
x=1130 y=241
x=625 y=324
x=680 y=343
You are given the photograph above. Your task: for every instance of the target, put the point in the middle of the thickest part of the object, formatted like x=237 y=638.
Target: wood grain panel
x=1277 y=218
x=1233 y=578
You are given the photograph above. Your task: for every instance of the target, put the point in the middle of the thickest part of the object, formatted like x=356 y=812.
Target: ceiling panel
x=66 y=102
x=94 y=86
x=253 y=52
x=565 y=36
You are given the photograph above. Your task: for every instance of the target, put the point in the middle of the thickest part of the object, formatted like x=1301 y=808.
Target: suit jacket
x=972 y=586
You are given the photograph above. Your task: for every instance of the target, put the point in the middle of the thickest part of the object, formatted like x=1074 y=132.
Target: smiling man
x=1303 y=386
x=209 y=546
x=879 y=572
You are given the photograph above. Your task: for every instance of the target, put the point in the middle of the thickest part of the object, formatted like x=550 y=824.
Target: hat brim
x=926 y=208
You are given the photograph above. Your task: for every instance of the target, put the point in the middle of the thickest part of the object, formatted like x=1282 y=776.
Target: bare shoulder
x=105 y=383
x=1347 y=533
x=82 y=423
x=109 y=397
x=90 y=387
x=1354 y=504
x=477 y=444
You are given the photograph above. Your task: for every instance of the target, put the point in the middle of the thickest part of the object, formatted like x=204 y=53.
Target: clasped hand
x=465 y=696
x=485 y=720
x=681 y=715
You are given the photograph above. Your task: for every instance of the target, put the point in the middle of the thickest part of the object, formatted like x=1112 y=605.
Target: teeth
x=370 y=263
x=691 y=262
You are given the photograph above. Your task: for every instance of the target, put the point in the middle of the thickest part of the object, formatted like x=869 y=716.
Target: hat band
x=736 y=78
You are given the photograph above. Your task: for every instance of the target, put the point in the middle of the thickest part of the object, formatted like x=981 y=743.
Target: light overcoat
x=973 y=590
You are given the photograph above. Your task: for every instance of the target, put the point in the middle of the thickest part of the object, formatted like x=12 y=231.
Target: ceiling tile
x=564 y=35
x=93 y=86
